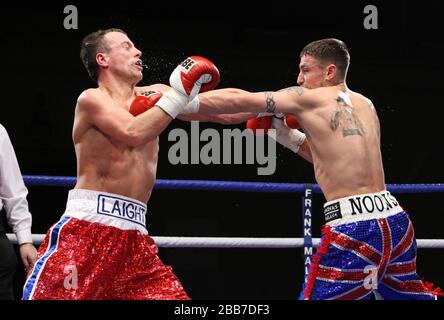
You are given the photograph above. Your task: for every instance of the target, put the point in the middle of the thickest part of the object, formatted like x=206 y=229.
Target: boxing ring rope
x=208 y=185
x=234 y=242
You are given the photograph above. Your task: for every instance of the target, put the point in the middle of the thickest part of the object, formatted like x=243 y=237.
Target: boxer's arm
x=305 y=151
x=292 y=139
x=234 y=118
x=154 y=87
x=292 y=100
x=219 y=118
x=119 y=123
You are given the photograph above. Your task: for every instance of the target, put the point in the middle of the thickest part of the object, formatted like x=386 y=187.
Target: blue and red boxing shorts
x=368 y=247
x=100 y=249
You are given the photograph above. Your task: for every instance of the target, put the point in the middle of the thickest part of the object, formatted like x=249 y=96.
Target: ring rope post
x=306 y=228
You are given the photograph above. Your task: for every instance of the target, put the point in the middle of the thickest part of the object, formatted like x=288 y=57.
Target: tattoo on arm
x=271 y=104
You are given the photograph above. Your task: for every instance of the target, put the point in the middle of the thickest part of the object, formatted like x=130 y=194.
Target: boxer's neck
x=118 y=89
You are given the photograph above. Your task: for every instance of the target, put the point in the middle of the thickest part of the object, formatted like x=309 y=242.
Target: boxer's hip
x=107 y=209
x=360 y=208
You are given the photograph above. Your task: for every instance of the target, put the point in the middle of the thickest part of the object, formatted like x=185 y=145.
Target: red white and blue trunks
x=100 y=249
x=368 y=247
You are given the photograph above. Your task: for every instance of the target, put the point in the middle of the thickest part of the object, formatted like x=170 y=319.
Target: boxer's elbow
x=134 y=137
x=305 y=151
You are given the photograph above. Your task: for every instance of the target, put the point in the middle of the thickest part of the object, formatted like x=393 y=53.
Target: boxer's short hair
x=91 y=45
x=327 y=51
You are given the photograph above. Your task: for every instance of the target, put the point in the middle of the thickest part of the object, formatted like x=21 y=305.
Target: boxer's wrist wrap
x=289 y=138
x=172 y=102
x=192 y=106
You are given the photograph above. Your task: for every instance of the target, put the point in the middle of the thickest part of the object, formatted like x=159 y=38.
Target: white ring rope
x=233 y=242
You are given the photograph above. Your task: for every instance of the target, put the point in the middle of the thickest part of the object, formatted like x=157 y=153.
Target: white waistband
x=107 y=208
x=361 y=207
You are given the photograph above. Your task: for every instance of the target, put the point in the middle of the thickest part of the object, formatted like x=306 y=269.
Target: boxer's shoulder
x=92 y=98
x=89 y=95
x=153 y=87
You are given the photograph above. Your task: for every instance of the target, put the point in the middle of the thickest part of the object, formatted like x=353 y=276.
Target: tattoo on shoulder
x=148 y=93
x=298 y=90
x=344 y=117
x=271 y=104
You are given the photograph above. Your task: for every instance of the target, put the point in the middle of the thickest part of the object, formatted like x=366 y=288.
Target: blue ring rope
x=212 y=185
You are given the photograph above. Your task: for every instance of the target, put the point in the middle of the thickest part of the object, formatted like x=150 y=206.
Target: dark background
x=256 y=47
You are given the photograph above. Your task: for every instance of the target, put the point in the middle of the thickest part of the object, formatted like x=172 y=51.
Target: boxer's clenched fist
x=144 y=102
x=194 y=74
x=262 y=121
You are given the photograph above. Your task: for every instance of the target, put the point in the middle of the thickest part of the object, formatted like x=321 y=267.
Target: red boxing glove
x=191 y=76
x=145 y=101
x=260 y=123
x=194 y=74
x=291 y=122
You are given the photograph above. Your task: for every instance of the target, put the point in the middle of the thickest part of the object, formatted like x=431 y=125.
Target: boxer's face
x=311 y=73
x=123 y=57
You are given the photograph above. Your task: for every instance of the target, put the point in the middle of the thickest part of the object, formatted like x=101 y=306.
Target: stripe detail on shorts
x=54 y=235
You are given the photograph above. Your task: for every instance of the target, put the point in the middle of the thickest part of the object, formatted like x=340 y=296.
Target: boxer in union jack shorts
x=368 y=243
x=368 y=246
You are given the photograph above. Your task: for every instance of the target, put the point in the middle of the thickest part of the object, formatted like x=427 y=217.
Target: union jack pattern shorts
x=368 y=247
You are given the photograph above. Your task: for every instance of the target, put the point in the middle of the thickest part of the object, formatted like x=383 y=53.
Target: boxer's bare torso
x=343 y=132
x=106 y=164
